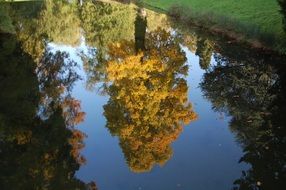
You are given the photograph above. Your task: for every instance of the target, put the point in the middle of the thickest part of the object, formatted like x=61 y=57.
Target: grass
x=254 y=18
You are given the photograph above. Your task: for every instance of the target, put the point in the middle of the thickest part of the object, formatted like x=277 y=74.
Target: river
x=112 y=96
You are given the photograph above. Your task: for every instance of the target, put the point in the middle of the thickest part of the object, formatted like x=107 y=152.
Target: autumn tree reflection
x=104 y=23
x=37 y=150
x=252 y=92
x=148 y=102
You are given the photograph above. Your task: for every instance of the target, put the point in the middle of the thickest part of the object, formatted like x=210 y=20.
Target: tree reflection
x=107 y=22
x=282 y=4
x=104 y=23
x=148 y=96
x=140 y=30
x=37 y=150
x=6 y=25
x=60 y=21
x=204 y=51
x=252 y=91
x=56 y=78
x=53 y=21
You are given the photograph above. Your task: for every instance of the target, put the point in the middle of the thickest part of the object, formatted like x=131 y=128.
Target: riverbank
x=256 y=22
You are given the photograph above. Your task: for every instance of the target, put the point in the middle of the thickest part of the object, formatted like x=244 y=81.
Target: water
x=112 y=96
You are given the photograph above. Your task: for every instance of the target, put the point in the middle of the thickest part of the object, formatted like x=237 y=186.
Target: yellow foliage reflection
x=148 y=102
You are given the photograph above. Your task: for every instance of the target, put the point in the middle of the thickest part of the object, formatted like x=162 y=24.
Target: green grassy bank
x=255 y=19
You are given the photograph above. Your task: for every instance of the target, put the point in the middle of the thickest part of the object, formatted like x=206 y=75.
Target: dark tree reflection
x=140 y=30
x=37 y=150
x=251 y=90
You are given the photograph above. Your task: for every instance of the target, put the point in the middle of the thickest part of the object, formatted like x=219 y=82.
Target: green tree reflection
x=60 y=21
x=104 y=23
x=49 y=21
x=6 y=25
x=204 y=51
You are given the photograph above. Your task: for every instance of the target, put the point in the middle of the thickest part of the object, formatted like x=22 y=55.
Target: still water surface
x=122 y=98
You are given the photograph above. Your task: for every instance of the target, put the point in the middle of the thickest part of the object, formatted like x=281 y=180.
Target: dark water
x=116 y=97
